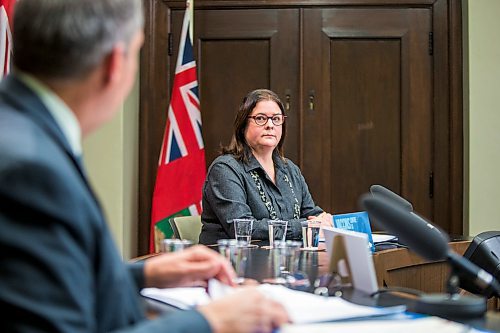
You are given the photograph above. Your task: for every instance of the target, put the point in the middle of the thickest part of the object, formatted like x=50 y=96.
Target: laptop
x=359 y=258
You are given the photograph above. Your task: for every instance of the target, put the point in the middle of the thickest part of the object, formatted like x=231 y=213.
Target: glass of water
x=310 y=235
x=243 y=230
x=236 y=252
x=284 y=264
x=174 y=245
x=277 y=231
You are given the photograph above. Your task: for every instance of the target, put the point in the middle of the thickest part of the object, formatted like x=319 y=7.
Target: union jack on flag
x=6 y=7
x=181 y=166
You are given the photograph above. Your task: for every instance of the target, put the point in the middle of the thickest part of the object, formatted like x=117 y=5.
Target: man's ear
x=113 y=65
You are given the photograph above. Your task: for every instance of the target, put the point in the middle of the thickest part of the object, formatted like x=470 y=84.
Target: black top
x=231 y=192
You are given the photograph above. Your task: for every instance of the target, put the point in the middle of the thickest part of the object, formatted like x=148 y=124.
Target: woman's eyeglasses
x=262 y=119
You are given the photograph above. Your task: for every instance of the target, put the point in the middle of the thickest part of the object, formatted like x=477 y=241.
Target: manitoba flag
x=181 y=167
x=6 y=7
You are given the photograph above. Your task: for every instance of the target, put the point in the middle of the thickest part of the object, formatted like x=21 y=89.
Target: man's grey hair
x=66 y=39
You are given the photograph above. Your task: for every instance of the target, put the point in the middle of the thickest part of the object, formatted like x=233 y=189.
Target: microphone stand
x=432 y=244
x=453 y=282
x=452 y=304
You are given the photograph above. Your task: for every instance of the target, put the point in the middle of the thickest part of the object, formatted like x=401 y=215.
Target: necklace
x=269 y=206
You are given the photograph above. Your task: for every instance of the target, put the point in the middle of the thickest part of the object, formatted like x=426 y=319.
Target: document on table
x=182 y=298
x=426 y=324
x=309 y=308
x=380 y=238
x=302 y=307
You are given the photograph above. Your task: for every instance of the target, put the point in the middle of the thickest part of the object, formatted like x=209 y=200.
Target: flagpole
x=190 y=8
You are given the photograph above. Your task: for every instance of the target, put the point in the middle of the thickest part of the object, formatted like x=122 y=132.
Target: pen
x=207 y=288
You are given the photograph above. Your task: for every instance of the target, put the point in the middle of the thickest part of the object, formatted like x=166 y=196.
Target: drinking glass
x=284 y=261
x=277 y=231
x=174 y=245
x=236 y=252
x=310 y=235
x=243 y=230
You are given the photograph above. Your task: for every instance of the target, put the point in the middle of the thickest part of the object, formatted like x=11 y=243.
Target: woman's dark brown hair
x=239 y=147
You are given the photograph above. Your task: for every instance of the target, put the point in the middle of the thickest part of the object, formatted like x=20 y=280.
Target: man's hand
x=245 y=311
x=186 y=268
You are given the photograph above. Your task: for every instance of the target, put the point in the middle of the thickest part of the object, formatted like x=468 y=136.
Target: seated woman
x=253 y=179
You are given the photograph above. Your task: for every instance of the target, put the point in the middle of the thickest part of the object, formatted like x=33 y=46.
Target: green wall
x=482 y=110
x=111 y=158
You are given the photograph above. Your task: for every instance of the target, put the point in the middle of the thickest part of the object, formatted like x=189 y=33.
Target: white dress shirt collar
x=64 y=117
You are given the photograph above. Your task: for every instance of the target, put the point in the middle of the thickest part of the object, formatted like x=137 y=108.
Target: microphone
x=393 y=197
x=421 y=237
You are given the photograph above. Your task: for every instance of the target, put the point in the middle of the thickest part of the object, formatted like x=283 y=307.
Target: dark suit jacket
x=59 y=268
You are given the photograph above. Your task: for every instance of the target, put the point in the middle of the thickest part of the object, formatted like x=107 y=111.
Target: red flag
x=6 y=8
x=181 y=167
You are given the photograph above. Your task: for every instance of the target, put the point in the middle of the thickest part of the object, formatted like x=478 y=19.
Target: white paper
x=427 y=324
x=302 y=307
x=309 y=308
x=379 y=238
x=182 y=298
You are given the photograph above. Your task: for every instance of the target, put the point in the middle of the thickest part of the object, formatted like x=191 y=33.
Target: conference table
x=395 y=267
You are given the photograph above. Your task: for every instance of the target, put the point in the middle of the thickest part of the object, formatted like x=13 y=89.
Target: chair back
x=187 y=227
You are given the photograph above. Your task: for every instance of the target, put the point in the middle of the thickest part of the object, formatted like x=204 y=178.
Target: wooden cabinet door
x=241 y=50
x=368 y=104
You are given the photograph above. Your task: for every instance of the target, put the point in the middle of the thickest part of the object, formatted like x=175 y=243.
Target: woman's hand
x=325 y=219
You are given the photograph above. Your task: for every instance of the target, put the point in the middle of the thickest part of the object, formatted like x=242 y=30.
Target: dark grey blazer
x=230 y=192
x=59 y=268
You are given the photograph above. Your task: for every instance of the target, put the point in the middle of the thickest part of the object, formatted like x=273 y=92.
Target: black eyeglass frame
x=267 y=119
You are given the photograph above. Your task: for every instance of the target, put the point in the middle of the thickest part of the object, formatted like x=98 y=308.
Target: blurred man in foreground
x=74 y=63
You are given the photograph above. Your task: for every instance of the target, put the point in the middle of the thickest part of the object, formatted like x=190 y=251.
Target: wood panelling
x=365 y=119
x=367 y=102
x=373 y=91
x=236 y=55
